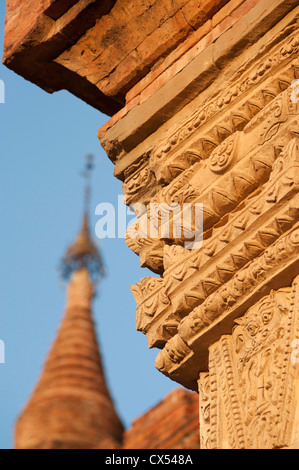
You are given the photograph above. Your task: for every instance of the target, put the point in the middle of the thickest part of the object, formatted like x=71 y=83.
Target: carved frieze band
x=277 y=264
x=235 y=169
x=215 y=119
x=163 y=302
x=265 y=79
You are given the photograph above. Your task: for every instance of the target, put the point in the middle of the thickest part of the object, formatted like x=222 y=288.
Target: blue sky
x=43 y=143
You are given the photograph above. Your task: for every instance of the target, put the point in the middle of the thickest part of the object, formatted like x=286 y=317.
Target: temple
x=203 y=100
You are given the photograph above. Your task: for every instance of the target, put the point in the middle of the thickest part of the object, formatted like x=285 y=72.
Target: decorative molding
x=193 y=277
x=276 y=265
x=246 y=94
x=248 y=78
x=250 y=166
x=248 y=400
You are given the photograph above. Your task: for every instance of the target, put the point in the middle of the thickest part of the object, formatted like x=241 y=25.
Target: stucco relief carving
x=191 y=277
x=234 y=170
x=234 y=106
x=255 y=372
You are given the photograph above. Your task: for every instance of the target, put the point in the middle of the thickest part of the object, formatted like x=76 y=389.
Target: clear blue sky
x=43 y=140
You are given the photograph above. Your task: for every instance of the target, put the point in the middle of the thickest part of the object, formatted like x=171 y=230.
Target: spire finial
x=89 y=166
x=83 y=253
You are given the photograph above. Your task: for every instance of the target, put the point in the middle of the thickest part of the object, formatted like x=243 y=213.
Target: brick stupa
x=71 y=407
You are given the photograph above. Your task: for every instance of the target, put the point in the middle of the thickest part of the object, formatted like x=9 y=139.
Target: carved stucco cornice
x=185 y=355
x=234 y=170
x=163 y=302
x=264 y=219
x=239 y=100
x=215 y=118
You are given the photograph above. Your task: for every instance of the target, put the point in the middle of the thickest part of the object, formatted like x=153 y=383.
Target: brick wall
x=205 y=33
x=172 y=424
x=123 y=46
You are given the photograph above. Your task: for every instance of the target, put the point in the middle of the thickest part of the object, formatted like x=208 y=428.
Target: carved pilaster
x=248 y=398
x=233 y=150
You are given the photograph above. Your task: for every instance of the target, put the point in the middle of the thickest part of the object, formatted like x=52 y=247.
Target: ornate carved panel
x=247 y=400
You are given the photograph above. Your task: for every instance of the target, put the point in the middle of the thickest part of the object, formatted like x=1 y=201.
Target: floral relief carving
x=222 y=157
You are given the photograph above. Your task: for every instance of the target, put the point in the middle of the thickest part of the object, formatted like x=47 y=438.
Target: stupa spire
x=71 y=407
x=83 y=252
